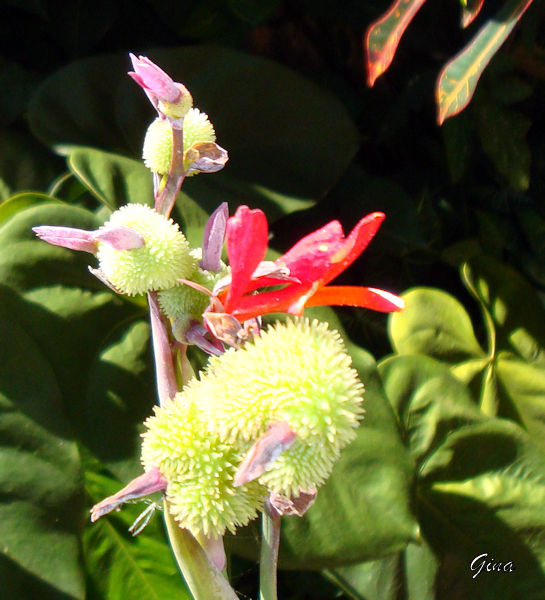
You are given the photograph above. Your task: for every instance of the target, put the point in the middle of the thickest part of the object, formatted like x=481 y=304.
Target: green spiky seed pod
x=164 y=257
x=197 y=128
x=199 y=468
x=157 y=151
x=297 y=372
x=182 y=299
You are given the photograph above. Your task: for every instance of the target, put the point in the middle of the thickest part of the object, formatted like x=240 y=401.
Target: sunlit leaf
x=458 y=78
x=383 y=36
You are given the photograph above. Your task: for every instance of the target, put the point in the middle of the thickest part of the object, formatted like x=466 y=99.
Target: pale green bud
x=164 y=257
x=157 y=151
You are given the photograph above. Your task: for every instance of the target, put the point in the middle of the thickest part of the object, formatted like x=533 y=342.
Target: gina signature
x=484 y=563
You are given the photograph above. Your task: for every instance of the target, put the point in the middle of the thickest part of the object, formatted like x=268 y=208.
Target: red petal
x=310 y=258
x=354 y=244
x=339 y=295
x=269 y=302
x=247 y=233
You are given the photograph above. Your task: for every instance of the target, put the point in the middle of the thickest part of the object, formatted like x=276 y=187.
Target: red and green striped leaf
x=383 y=35
x=470 y=10
x=458 y=78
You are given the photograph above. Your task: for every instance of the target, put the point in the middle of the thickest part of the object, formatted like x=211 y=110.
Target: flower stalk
x=270 y=540
x=205 y=580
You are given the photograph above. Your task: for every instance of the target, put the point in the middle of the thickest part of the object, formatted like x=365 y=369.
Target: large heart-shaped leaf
x=506 y=378
x=116 y=180
x=78 y=356
x=40 y=474
x=281 y=130
x=479 y=492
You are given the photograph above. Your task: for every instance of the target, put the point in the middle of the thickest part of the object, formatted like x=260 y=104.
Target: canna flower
x=311 y=264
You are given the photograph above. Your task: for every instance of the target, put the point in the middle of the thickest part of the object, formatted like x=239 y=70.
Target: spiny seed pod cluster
x=297 y=372
x=162 y=259
x=157 y=151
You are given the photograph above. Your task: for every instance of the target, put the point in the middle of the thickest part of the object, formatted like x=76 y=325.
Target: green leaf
x=458 y=78
x=113 y=179
x=123 y=567
x=513 y=304
x=428 y=400
x=282 y=131
x=479 y=489
x=524 y=385
x=483 y=492
x=434 y=323
x=383 y=36
x=412 y=571
x=116 y=180
x=98 y=378
x=40 y=475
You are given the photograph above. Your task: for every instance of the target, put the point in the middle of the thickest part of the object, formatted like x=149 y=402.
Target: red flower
x=312 y=262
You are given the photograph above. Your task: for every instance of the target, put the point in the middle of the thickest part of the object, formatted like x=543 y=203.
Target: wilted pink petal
x=266 y=450
x=213 y=238
x=198 y=335
x=224 y=327
x=153 y=79
x=67 y=237
x=147 y=483
x=206 y=157
x=120 y=237
x=294 y=505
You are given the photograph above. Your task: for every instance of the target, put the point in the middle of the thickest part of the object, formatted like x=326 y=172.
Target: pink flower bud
x=214 y=236
x=154 y=80
x=67 y=237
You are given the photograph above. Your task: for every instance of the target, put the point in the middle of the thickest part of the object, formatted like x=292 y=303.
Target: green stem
x=204 y=580
x=270 y=526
